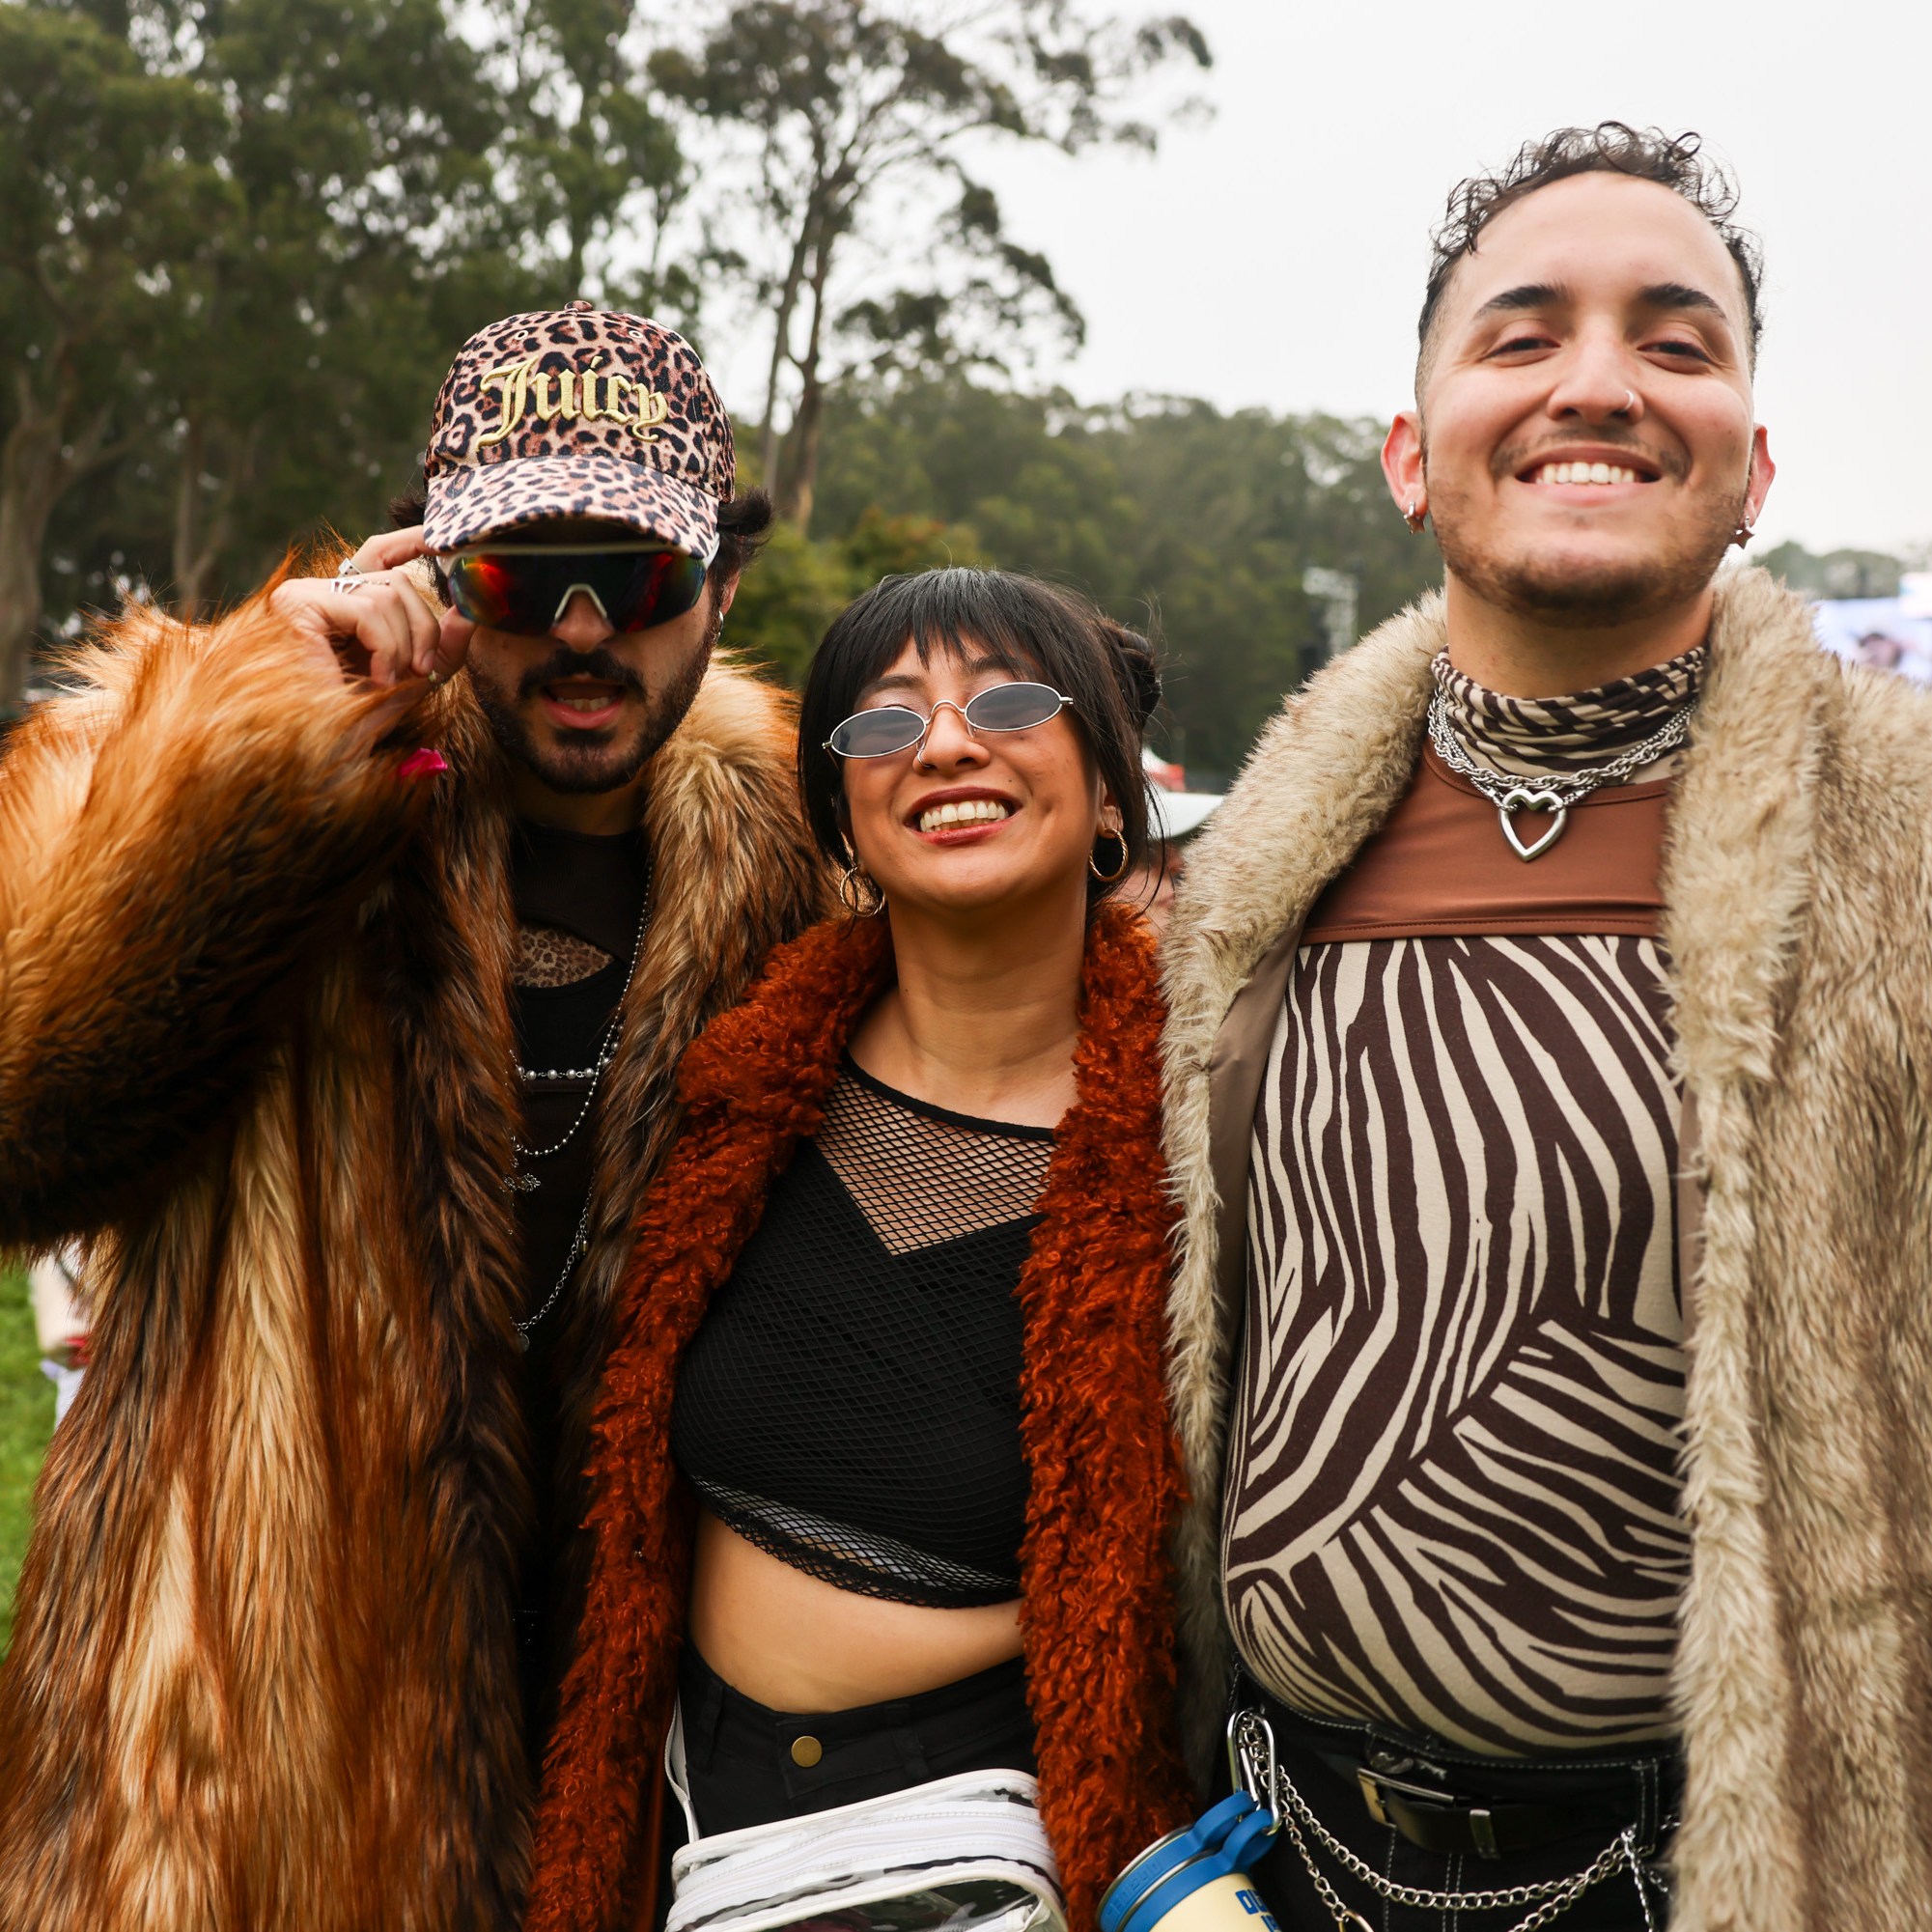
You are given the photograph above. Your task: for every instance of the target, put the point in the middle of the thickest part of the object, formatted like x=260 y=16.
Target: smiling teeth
x=1583 y=472
x=963 y=812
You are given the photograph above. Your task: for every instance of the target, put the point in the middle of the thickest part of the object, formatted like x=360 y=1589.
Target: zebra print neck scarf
x=1537 y=738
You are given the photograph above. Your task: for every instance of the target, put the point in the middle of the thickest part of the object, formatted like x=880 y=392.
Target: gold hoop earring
x=1108 y=877
x=858 y=893
x=1416 y=517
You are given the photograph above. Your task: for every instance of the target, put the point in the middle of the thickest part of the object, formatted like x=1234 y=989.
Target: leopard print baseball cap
x=577 y=411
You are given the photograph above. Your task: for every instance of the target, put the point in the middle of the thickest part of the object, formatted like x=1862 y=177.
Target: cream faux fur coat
x=1798 y=889
x=255 y=1040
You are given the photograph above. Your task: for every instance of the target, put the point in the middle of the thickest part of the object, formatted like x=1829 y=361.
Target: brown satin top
x=1441 y=866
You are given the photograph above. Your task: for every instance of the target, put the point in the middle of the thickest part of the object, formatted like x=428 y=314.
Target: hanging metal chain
x=1575 y=785
x=1270 y=1784
x=523 y=1183
x=1550 y=796
x=579 y=1247
x=518 y=1181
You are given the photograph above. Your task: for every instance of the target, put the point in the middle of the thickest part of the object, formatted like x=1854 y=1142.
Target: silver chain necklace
x=579 y=1244
x=1555 y=796
x=516 y=1180
x=523 y=1183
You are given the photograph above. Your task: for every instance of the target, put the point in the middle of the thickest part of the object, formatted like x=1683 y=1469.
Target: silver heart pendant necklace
x=1521 y=799
x=1553 y=797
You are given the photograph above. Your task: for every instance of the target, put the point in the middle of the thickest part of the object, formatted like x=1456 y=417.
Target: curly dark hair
x=1675 y=161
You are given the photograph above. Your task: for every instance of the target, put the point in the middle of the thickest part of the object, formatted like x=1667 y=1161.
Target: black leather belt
x=1440 y=1823
x=1445 y=1801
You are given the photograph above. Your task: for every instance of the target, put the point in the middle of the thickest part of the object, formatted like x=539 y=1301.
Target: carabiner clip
x=1251 y=1757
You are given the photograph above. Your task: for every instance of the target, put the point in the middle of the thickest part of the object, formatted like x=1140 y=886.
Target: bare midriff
x=795 y=1642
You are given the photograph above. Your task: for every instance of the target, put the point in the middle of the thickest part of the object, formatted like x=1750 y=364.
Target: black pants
x=1610 y=1789
x=748 y=1764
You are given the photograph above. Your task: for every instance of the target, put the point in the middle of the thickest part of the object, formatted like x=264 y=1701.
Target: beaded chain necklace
x=516 y=1180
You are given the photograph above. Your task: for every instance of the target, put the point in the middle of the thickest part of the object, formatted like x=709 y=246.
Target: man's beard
x=595 y=765
x=1547 y=590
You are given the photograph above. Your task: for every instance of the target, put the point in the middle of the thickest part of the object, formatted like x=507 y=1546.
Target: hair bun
x=1136 y=670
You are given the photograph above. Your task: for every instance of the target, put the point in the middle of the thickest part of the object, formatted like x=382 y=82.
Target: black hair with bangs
x=1032 y=629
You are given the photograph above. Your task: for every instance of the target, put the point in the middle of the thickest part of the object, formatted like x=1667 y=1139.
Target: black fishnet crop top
x=851 y=1400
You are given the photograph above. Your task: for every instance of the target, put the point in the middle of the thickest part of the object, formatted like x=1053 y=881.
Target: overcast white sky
x=1275 y=256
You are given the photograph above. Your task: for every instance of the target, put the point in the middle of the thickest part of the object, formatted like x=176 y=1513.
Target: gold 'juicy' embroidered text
x=580 y=393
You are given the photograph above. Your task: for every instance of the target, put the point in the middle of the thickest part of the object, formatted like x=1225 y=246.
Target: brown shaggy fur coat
x=1798 y=918
x=255 y=1039
x=1097 y=1610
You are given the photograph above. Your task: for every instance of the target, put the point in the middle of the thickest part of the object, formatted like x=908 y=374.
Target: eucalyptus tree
x=305 y=252
x=853 y=210
x=592 y=167
x=358 y=142
x=109 y=189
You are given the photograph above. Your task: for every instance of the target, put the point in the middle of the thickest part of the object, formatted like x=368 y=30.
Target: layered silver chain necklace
x=1510 y=795
x=516 y=1180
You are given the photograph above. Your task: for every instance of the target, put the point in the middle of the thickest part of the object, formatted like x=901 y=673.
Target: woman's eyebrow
x=906 y=680
x=890 y=681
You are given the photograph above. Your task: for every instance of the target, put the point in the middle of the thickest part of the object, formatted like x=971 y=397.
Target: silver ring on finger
x=349 y=568
x=344 y=583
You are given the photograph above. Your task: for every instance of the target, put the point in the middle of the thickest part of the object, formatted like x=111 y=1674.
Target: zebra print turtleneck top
x=1453 y=1503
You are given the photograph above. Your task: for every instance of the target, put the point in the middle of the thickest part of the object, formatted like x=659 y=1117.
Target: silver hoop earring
x=858 y=893
x=1108 y=877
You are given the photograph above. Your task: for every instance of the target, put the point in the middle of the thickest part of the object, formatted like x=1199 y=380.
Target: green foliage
x=266 y=224
x=786 y=600
x=1835 y=572
x=796 y=588
x=342 y=234
x=109 y=189
x=1173 y=514
x=591 y=152
x=860 y=120
x=26 y=1423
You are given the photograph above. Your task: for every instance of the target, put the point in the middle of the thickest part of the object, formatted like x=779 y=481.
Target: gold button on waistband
x=806 y=1752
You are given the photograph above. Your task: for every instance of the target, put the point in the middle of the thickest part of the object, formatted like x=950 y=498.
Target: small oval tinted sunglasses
x=525 y=588
x=888 y=728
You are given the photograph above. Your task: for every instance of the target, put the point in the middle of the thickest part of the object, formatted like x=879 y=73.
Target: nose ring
x=1628 y=402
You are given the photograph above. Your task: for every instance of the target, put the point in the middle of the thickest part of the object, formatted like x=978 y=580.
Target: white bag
x=968 y=1853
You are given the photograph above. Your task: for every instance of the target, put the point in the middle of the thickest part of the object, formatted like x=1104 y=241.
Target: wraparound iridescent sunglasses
x=884 y=729
x=525 y=588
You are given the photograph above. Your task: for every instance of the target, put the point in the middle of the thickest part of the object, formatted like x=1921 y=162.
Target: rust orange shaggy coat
x=1097 y=1612
x=255 y=1039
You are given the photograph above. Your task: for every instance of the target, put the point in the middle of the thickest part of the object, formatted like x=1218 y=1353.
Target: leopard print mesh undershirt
x=548 y=956
x=852 y=1401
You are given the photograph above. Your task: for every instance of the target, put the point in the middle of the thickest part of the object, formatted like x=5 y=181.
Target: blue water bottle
x=1196 y=1880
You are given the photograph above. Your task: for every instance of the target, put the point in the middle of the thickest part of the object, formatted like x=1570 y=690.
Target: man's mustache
x=1514 y=460
x=598 y=663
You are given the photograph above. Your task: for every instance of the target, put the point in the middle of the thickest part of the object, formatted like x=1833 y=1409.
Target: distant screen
x=1885 y=633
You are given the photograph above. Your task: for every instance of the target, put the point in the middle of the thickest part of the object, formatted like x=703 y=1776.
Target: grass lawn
x=26 y=1421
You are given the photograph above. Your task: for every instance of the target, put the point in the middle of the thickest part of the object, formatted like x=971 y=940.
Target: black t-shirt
x=591 y=887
